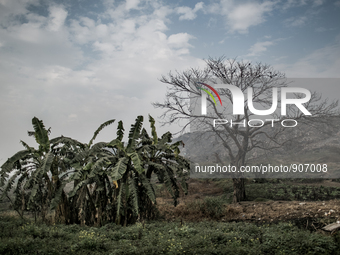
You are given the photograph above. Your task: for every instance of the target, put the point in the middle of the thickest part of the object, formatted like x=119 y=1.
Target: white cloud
x=322 y=63
x=57 y=18
x=161 y=12
x=81 y=31
x=10 y=9
x=259 y=48
x=317 y=3
x=292 y=3
x=323 y=29
x=240 y=17
x=296 y=21
x=108 y=3
x=180 y=40
x=131 y=4
x=337 y=3
x=75 y=75
x=73 y=116
x=101 y=30
x=188 y=13
x=296 y=3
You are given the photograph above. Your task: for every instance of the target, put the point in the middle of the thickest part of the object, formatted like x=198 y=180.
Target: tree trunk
x=63 y=210
x=239 y=190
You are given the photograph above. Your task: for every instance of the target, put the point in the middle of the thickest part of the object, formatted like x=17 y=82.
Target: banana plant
x=106 y=179
x=164 y=160
x=142 y=156
x=111 y=181
x=92 y=188
x=35 y=174
x=134 y=192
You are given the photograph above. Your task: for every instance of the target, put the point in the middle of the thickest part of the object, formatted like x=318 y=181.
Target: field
x=280 y=217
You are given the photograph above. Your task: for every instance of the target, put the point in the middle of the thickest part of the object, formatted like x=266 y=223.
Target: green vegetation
x=111 y=180
x=21 y=237
x=282 y=191
x=103 y=200
x=207 y=208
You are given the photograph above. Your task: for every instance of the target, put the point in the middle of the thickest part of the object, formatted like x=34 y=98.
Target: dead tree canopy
x=252 y=131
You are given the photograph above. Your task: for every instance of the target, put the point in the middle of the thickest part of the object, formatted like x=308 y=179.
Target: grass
x=282 y=191
x=209 y=237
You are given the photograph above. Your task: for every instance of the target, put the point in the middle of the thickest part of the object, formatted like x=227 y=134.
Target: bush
x=291 y=192
x=209 y=207
x=207 y=237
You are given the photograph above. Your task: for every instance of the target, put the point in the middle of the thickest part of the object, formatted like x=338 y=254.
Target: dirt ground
x=269 y=211
x=282 y=210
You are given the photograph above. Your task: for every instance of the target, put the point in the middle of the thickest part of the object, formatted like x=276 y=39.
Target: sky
x=78 y=63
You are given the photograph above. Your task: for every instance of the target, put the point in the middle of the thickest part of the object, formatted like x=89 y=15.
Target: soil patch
x=189 y=208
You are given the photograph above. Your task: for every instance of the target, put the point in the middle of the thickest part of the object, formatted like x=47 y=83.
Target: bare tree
x=238 y=139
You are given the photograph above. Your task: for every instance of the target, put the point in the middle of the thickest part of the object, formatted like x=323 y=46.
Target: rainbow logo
x=208 y=92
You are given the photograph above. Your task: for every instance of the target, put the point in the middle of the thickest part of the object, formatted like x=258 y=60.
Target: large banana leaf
x=8 y=166
x=106 y=123
x=119 y=169
x=120 y=131
x=137 y=162
x=153 y=130
x=134 y=134
x=41 y=135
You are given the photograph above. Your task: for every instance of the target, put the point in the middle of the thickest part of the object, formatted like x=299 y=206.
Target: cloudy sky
x=77 y=63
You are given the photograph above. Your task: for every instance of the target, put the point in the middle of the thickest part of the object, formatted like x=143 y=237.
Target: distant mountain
x=312 y=140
